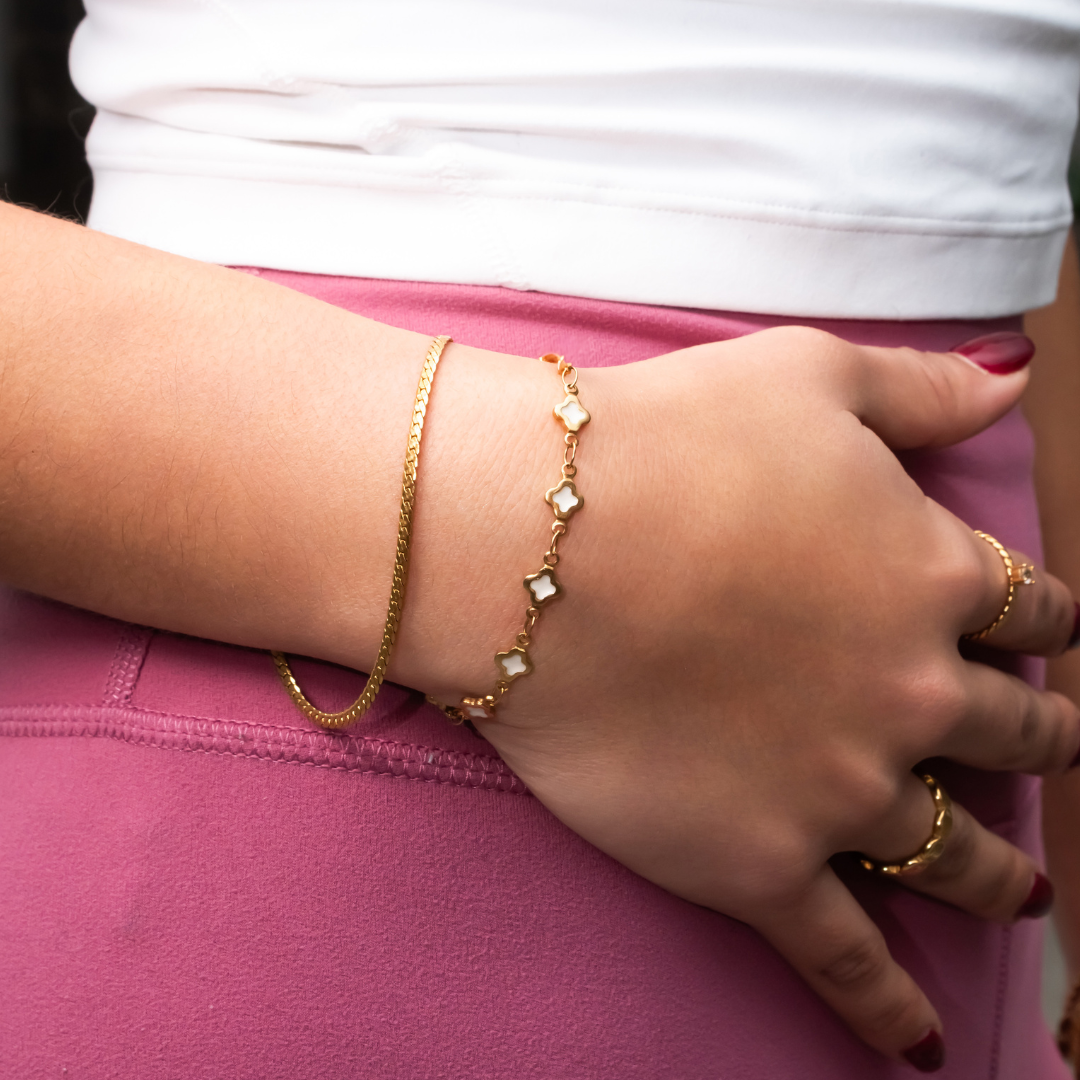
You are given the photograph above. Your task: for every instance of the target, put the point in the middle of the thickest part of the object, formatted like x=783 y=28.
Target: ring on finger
x=1017 y=574
x=932 y=850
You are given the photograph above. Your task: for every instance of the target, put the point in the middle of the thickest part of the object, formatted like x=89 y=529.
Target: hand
x=759 y=641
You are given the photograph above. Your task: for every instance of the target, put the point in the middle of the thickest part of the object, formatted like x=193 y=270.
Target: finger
x=978 y=871
x=1007 y=725
x=832 y=943
x=923 y=399
x=1040 y=615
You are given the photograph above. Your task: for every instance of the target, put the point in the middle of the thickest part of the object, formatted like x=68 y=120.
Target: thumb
x=920 y=399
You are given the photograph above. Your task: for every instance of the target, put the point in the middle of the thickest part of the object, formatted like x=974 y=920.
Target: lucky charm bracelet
x=543 y=586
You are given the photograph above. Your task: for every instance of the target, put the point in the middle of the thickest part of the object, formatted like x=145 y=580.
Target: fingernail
x=1000 y=354
x=1040 y=900
x=928 y=1054
x=1074 y=641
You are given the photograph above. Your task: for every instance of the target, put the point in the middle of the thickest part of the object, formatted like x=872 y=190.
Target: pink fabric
x=391 y=903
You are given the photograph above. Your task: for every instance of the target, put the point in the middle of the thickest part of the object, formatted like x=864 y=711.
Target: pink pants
x=197 y=883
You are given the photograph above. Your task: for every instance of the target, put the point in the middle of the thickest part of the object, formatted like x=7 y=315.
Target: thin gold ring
x=932 y=850
x=1017 y=574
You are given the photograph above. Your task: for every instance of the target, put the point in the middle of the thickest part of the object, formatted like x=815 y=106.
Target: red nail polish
x=1074 y=641
x=1039 y=901
x=928 y=1054
x=1001 y=353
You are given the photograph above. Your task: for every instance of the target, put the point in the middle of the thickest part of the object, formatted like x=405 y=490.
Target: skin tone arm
x=200 y=450
x=1052 y=405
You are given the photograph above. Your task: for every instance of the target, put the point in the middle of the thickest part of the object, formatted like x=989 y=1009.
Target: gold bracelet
x=335 y=720
x=565 y=500
x=1068 y=1032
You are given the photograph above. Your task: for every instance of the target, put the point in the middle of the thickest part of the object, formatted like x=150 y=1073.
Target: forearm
x=1052 y=404
x=199 y=450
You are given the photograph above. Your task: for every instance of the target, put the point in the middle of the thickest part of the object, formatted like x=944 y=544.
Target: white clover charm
x=512 y=663
x=572 y=413
x=564 y=499
x=543 y=586
x=477 y=708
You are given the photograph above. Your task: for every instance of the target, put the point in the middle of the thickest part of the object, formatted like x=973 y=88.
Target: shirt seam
x=842 y=221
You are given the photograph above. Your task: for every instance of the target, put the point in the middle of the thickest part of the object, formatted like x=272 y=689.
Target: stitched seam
x=127 y=663
x=455 y=180
x=999 y=1003
x=905 y=226
x=282 y=745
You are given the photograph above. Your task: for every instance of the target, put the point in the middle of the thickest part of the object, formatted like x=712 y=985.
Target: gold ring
x=1017 y=573
x=932 y=850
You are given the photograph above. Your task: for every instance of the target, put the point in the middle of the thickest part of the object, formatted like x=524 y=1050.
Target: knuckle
x=1055 y=615
x=962 y=572
x=941 y=392
x=858 y=965
x=896 y=1013
x=862 y=790
x=1030 y=724
x=1025 y=722
x=871 y=793
x=808 y=338
x=818 y=346
x=783 y=865
x=937 y=699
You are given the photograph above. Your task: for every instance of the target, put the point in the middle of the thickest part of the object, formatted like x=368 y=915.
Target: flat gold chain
x=335 y=720
x=542 y=586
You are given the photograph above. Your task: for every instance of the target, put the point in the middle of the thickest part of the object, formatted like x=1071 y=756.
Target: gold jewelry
x=334 y=720
x=1068 y=1032
x=932 y=850
x=1017 y=574
x=565 y=500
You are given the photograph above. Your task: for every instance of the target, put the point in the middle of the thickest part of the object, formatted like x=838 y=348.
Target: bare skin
x=198 y=450
x=1052 y=405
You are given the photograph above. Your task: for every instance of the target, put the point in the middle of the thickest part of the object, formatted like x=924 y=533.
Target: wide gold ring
x=1017 y=574
x=932 y=850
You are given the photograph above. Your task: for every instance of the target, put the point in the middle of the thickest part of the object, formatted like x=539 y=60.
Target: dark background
x=42 y=119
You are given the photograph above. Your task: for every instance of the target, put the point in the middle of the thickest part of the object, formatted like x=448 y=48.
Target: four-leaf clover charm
x=477 y=708
x=512 y=663
x=564 y=499
x=572 y=413
x=543 y=586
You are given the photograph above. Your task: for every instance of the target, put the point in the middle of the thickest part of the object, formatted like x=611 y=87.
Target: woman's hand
x=758 y=638
x=758 y=642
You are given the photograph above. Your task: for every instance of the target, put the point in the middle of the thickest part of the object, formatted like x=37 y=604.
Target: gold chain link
x=565 y=501
x=336 y=720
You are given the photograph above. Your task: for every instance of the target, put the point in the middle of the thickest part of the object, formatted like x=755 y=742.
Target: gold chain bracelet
x=334 y=720
x=565 y=500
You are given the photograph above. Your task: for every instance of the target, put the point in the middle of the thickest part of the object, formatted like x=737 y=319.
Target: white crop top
x=900 y=159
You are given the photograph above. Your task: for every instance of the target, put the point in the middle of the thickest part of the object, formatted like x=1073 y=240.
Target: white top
x=851 y=158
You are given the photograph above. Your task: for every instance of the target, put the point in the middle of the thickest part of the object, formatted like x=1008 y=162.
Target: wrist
x=480 y=521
